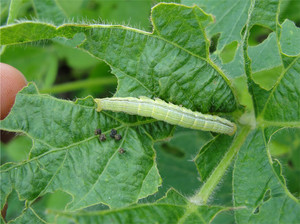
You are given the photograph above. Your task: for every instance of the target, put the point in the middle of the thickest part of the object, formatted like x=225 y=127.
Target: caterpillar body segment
x=167 y=112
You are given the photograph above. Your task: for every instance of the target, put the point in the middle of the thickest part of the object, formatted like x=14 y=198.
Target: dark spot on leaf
x=243 y=30
x=214 y=43
x=98 y=132
x=290 y=163
x=102 y=137
x=118 y=137
x=122 y=151
x=172 y=150
x=261 y=38
x=113 y=132
x=256 y=211
x=267 y=195
x=258 y=34
x=6 y=136
x=3 y=211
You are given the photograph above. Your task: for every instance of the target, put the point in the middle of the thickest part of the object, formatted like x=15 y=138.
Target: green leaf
x=50 y=11
x=10 y=8
x=65 y=147
x=14 y=8
x=258 y=186
x=265 y=13
x=169 y=67
x=175 y=161
x=174 y=208
x=38 y=31
x=176 y=63
x=228 y=53
x=164 y=69
x=290 y=38
x=282 y=104
x=278 y=106
x=284 y=145
x=234 y=68
x=189 y=34
x=211 y=154
x=18 y=149
x=230 y=22
x=29 y=216
x=214 y=173
x=266 y=62
x=52 y=152
x=4 y=7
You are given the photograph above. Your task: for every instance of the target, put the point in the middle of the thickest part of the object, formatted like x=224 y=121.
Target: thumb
x=12 y=81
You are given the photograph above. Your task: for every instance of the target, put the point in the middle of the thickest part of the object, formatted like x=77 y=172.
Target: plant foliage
x=257 y=87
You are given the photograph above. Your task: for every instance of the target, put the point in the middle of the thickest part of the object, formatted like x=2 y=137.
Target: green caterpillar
x=167 y=112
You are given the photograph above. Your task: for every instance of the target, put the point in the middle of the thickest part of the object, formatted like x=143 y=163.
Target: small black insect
x=118 y=137
x=98 y=132
x=113 y=132
x=102 y=137
x=121 y=151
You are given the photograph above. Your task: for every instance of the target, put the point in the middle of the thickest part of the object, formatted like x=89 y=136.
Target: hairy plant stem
x=208 y=187
x=71 y=86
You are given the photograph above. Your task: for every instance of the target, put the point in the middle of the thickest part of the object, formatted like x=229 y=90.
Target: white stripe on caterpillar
x=167 y=112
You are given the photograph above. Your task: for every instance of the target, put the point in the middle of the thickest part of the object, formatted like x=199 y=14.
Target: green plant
x=256 y=86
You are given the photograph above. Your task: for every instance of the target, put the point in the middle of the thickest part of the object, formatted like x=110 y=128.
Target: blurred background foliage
x=66 y=72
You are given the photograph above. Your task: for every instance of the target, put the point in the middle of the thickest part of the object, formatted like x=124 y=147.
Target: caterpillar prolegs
x=167 y=112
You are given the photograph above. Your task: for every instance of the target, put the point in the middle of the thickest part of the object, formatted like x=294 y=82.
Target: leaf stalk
x=208 y=187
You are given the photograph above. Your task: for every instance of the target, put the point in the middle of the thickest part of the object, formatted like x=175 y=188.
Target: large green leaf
x=57 y=126
x=278 y=72
x=175 y=161
x=65 y=147
x=290 y=38
x=259 y=186
x=282 y=105
x=236 y=15
x=266 y=63
x=285 y=145
x=230 y=22
x=174 y=208
x=173 y=63
x=211 y=154
x=148 y=64
x=62 y=132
